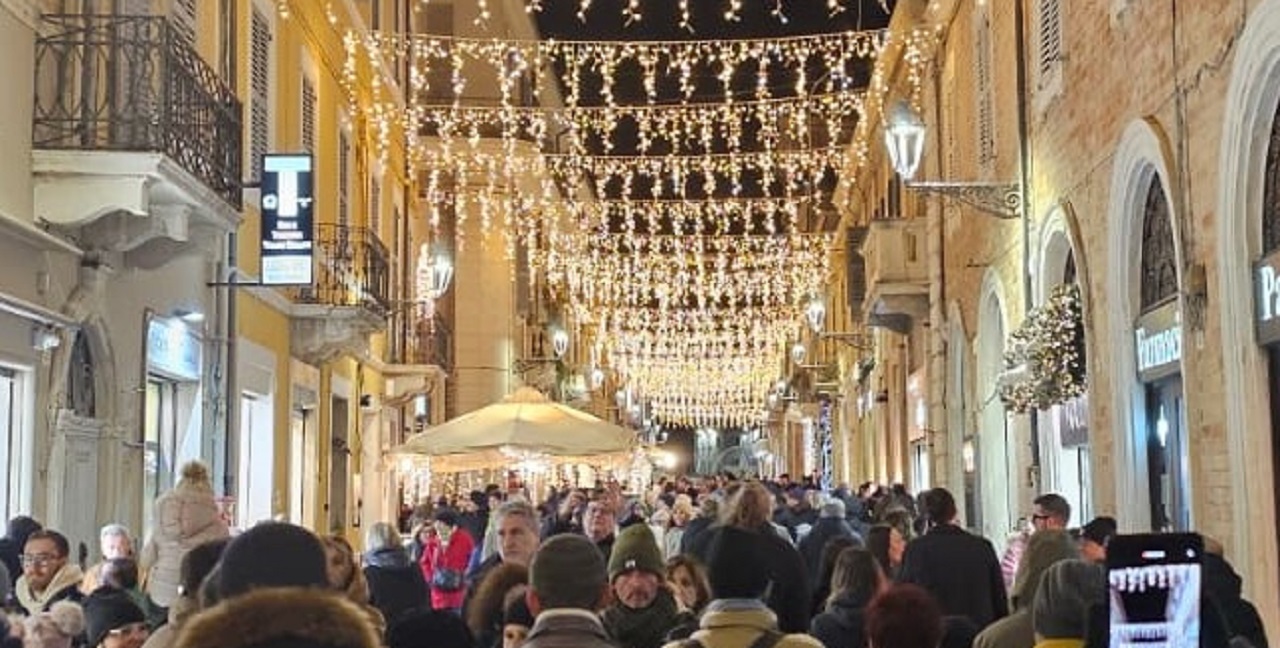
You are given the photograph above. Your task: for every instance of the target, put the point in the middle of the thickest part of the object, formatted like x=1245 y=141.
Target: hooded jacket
x=1015 y=631
x=842 y=624
x=184 y=517
x=65 y=586
x=734 y=623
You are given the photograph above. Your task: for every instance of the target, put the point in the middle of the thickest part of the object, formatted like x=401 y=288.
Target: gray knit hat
x=1067 y=590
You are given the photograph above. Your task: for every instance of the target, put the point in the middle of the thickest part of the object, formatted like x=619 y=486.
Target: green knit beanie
x=635 y=548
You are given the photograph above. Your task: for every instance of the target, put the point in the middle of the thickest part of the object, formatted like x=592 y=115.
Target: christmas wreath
x=1045 y=362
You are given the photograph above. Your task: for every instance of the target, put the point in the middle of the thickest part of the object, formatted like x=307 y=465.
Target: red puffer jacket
x=454 y=556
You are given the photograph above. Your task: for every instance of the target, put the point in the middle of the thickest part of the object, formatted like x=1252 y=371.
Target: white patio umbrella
x=525 y=424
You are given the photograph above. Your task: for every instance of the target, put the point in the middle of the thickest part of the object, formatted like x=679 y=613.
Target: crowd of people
x=712 y=562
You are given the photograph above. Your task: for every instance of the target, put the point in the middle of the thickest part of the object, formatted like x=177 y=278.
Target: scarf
x=67 y=577
x=645 y=628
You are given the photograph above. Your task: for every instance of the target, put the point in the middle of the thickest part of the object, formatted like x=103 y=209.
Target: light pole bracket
x=999 y=199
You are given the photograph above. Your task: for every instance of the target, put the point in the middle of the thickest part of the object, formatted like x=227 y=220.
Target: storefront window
x=10 y=442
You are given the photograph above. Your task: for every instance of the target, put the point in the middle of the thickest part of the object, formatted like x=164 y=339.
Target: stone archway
x=1251 y=109
x=996 y=474
x=1143 y=156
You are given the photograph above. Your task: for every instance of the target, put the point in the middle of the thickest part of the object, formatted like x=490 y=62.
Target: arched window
x=81 y=399
x=1271 y=191
x=1159 y=260
x=1069 y=271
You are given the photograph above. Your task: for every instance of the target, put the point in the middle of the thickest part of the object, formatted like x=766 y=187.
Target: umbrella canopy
x=525 y=422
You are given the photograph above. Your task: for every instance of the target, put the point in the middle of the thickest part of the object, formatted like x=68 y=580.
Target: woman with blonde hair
x=682 y=512
x=346 y=577
x=185 y=517
x=395 y=582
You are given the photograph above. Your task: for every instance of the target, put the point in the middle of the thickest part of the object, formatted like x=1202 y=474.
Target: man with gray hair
x=568 y=582
x=517 y=525
x=831 y=524
x=114 y=542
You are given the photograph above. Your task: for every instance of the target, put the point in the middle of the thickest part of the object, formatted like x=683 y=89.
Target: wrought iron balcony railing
x=133 y=83
x=352 y=270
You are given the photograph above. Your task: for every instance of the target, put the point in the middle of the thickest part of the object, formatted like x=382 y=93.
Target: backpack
x=767 y=639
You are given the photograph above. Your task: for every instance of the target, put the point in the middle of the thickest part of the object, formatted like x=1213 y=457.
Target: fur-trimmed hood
x=280 y=616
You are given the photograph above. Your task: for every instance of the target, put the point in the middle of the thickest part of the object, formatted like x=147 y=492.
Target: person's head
x=887 y=545
x=517 y=620
x=750 y=507
x=832 y=508
x=518 y=537
x=381 y=537
x=197 y=564
x=490 y=596
x=827 y=561
x=903 y=616
x=567 y=571
x=1044 y=549
x=113 y=620
x=342 y=569
x=195 y=476
x=682 y=510
x=1068 y=589
x=729 y=559
x=120 y=573
x=635 y=567
x=284 y=617
x=20 y=527
x=599 y=521
x=56 y=628
x=115 y=542
x=1094 y=538
x=445 y=522
x=43 y=556
x=940 y=506
x=426 y=628
x=1050 y=511
x=856 y=575
x=688 y=581
x=272 y=554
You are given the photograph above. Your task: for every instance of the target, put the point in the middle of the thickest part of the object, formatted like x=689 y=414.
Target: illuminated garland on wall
x=1047 y=355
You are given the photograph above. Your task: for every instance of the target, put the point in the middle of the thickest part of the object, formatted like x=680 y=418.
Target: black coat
x=1225 y=613
x=962 y=572
x=789 y=592
x=841 y=626
x=11 y=556
x=811 y=546
x=396 y=585
x=696 y=527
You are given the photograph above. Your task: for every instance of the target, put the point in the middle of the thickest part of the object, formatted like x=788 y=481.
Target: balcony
x=349 y=299
x=897 y=273
x=137 y=141
x=433 y=343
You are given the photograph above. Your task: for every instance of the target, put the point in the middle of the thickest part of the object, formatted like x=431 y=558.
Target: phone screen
x=1154 y=582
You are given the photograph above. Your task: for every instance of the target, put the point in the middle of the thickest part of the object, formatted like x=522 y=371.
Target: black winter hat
x=108 y=609
x=735 y=564
x=272 y=554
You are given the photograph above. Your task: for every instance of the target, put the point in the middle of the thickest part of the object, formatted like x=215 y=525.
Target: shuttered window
x=344 y=178
x=183 y=15
x=984 y=89
x=375 y=206
x=259 y=93
x=1048 y=44
x=308 y=114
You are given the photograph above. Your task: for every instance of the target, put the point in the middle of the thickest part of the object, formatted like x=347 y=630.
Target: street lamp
x=435 y=271
x=798 y=353
x=560 y=342
x=816 y=313
x=904 y=136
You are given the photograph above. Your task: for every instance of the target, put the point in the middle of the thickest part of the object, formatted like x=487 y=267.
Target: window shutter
x=183 y=15
x=344 y=178
x=1049 y=39
x=984 y=90
x=308 y=114
x=259 y=93
x=375 y=206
